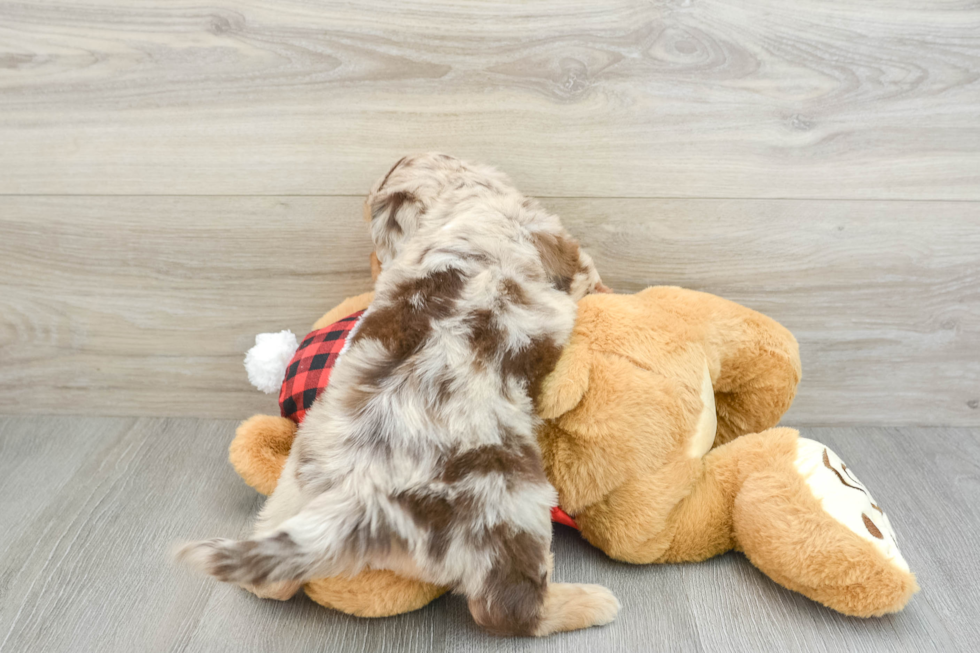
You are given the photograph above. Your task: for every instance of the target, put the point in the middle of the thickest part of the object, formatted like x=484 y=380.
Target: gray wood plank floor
x=90 y=506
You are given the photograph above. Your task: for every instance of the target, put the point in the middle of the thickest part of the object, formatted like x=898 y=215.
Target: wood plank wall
x=176 y=177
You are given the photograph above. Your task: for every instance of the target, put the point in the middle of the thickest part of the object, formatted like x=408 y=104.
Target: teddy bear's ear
x=564 y=388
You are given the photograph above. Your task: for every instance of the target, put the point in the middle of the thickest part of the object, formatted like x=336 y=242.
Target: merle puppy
x=421 y=457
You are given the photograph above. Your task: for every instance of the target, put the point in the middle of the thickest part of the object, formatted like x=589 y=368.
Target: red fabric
x=308 y=374
x=309 y=370
x=559 y=516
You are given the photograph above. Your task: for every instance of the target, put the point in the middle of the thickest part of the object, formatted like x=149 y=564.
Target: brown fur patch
x=436 y=514
x=403 y=326
x=560 y=258
x=515 y=587
x=515 y=463
x=432 y=513
x=395 y=202
x=514 y=293
x=438 y=292
x=224 y=564
x=486 y=337
x=532 y=364
x=254 y=560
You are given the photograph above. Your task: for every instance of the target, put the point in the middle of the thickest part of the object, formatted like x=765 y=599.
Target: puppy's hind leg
x=519 y=608
x=281 y=591
x=516 y=596
x=569 y=606
x=285 y=501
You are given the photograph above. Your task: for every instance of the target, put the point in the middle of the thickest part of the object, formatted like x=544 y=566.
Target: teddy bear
x=658 y=434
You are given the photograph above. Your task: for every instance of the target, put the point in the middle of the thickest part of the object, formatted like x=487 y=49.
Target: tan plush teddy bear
x=657 y=437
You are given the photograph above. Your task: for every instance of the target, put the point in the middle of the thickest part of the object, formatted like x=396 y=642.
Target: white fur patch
x=845 y=498
x=707 y=427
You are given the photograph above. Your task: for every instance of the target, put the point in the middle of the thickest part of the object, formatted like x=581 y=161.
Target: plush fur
x=628 y=445
x=421 y=457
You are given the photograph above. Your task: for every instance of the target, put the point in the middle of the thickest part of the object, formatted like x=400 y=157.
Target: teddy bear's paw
x=846 y=499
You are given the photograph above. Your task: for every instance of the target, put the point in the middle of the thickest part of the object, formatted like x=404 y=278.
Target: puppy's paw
x=281 y=591
x=600 y=602
x=572 y=606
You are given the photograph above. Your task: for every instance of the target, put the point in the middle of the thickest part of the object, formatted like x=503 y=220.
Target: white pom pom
x=266 y=362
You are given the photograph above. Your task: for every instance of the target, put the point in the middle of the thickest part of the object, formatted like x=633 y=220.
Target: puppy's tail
x=306 y=546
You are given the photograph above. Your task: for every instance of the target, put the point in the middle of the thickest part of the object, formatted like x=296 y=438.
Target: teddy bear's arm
x=260 y=448
x=754 y=361
x=759 y=370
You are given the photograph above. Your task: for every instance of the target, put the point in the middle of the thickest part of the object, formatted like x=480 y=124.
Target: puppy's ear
x=393 y=217
x=568 y=268
x=559 y=256
x=393 y=210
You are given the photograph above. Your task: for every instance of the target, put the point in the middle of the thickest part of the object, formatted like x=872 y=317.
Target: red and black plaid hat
x=309 y=370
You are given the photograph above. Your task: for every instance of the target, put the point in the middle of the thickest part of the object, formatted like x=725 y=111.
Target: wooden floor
x=177 y=176
x=90 y=507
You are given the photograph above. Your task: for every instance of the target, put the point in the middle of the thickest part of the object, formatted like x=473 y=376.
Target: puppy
x=421 y=457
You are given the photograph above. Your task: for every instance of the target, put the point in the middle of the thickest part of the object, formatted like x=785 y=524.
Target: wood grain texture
x=690 y=98
x=91 y=505
x=96 y=506
x=145 y=306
